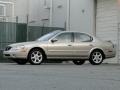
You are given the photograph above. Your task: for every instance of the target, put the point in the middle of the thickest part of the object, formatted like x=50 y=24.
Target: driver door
x=62 y=47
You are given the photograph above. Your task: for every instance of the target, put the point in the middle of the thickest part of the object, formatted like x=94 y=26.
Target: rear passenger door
x=82 y=45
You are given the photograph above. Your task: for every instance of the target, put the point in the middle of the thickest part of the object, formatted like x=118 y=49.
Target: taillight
x=111 y=43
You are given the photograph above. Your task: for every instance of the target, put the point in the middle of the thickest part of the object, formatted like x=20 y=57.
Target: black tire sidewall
x=79 y=62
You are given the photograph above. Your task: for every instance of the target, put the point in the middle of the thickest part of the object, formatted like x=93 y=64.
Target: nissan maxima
x=61 y=45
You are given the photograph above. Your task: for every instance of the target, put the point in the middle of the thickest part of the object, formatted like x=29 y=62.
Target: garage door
x=107 y=22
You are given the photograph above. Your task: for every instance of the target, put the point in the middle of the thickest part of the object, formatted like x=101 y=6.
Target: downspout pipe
x=68 y=16
x=27 y=17
x=51 y=13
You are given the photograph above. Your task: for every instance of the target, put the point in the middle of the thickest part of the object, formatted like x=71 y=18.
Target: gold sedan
x=61 y=45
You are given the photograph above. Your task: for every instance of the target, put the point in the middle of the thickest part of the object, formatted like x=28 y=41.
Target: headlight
x=19 y=48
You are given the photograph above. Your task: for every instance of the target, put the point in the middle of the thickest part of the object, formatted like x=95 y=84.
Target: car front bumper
x=15 y=54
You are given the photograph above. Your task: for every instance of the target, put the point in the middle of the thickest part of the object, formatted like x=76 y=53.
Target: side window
x=64 y=37
x=80 y=37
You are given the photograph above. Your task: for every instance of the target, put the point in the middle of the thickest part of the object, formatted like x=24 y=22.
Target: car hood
x=27 y=43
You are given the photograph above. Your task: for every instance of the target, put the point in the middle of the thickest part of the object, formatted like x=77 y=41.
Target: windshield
x=46 y=37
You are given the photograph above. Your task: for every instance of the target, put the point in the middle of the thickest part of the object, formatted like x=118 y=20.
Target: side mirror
x=54 y=40
x=91 y=39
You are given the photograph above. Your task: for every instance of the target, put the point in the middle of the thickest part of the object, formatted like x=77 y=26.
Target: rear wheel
x=96 y=57
x=79 y=62
x=20 y=61
x=36 y=57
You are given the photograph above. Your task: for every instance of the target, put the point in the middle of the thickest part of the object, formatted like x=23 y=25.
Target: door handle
x=69 y=45
x=90 y=45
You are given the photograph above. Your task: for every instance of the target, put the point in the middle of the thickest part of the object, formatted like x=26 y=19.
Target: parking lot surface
x=59 y=77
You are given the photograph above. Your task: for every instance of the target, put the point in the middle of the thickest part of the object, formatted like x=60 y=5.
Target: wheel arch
x=43 y=51
x=99 y=49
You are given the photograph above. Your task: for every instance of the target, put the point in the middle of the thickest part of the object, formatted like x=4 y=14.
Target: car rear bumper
x=110 y=54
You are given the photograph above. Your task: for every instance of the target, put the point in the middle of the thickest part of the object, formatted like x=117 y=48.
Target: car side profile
x=61 y=45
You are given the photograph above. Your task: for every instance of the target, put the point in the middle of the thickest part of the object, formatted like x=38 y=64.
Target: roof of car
x=74 y=32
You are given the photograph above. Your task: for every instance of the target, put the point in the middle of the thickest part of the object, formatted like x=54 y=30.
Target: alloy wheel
x=36 y=57
x=96 y=57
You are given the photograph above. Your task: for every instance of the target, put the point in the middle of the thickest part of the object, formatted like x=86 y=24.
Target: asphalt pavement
x=59 y=77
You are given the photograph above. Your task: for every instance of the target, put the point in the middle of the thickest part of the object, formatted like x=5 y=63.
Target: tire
x=96 y=57
x=20 y=61
x=79 y=62
x=36 y=57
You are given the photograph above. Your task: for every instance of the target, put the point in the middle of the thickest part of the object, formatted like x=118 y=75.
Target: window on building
x=2 y=10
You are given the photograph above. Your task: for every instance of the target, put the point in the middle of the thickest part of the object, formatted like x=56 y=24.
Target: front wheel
x=36 y=57
x=79 y=62
x=96 y=57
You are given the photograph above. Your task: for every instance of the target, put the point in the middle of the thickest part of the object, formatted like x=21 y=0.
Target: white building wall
x=59 y=13
x=107 y=24
x=82 y=15
x=39 y=12
x=21 y=8
x=51 y=13
x=33 y=9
